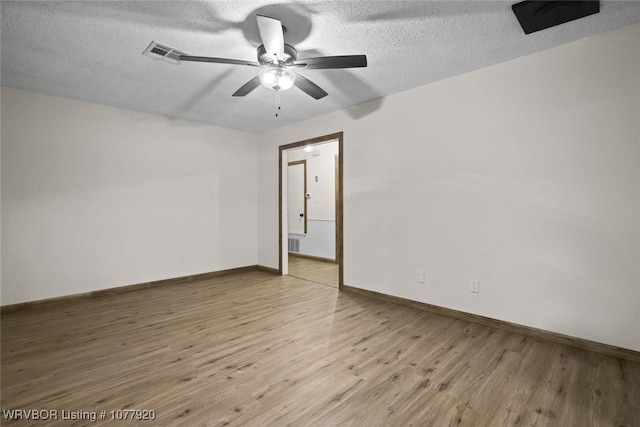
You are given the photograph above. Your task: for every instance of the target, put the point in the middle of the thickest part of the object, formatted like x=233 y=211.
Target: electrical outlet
x=183 y=259
x=420 y=276
x=475 y=286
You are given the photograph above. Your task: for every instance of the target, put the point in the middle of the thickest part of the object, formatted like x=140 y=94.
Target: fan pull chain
x=277 y=102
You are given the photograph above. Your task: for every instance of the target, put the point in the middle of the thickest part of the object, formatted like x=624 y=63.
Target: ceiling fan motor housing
x=290 y=55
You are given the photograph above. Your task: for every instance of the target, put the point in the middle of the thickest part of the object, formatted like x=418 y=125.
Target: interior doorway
x=312 y=250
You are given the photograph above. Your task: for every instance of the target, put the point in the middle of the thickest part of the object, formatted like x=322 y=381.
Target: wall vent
x=294 y=245
x=164 y=53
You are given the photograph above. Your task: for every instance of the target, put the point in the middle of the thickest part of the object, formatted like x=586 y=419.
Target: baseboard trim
x=12 y=308
x=313 y=257
x=581 y=343
x=269 y=270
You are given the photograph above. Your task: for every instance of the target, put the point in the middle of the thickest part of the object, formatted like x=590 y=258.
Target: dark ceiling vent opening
x=159 y=51
x=164 y=53
x=536 y=15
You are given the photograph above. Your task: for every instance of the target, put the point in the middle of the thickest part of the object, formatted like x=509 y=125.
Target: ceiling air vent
x=164 y=53
x=536 y=15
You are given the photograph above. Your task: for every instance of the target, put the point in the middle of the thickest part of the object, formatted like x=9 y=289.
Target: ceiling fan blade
x=309 y=87
x=272 y=36
x=328 y=62
x=217 y=60
x=248 y=87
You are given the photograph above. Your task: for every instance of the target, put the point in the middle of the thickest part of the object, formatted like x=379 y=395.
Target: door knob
x=301 y=215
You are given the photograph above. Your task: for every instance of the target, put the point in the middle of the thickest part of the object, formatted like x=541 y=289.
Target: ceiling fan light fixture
x=277 y=78
x=276 y=59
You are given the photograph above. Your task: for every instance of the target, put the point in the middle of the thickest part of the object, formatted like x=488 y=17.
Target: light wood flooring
x=253 y=349
x=322 y=272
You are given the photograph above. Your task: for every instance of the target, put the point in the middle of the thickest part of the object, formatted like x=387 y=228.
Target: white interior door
x=296 y=197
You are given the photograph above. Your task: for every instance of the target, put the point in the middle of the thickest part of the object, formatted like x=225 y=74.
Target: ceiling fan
x=278 y=61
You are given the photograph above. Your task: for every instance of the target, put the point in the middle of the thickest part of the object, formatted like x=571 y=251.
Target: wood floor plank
x=323 y=272
x=254 y=349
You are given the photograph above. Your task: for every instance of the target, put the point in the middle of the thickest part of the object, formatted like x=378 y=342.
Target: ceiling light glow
x=277 y=78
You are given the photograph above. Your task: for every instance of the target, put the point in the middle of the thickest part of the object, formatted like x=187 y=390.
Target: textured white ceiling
x=92 y=51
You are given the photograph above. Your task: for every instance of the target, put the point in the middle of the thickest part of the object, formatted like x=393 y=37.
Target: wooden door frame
x=339 y=199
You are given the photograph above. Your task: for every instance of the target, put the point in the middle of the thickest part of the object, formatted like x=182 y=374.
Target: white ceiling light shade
x=277 y=78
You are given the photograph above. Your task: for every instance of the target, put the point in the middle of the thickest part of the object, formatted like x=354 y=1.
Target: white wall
x=523 y=175
x=96 y=197
x=320 y=239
